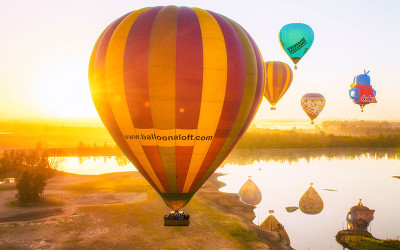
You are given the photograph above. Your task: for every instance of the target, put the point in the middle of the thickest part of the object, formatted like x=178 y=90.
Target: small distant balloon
x=279 y=76
x=361 y=91
x=312 y=104
x=296 y=39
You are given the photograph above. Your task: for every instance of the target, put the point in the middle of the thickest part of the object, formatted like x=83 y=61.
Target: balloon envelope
x=313 y=104
x=296 y=39
x=176 y=87
x=279 y=76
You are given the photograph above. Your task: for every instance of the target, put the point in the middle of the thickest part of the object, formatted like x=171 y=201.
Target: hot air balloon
x=296 y=39
x=361 y=91
x=272 y=224
x=250 y=193
x=311 y=202
x=312 y=104
x=176 y=88
x=279 y=76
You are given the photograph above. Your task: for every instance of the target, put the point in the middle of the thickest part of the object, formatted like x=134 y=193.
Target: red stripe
x=153 y=155
x=136 y=69
x=189 y=80
x=183 y=157
x=236 y=77
x=189 y=69
x=100 y=99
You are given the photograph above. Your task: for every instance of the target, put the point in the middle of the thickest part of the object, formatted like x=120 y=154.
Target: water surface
x=282 y=184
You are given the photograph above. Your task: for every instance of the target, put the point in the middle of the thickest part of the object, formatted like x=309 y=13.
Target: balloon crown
x=363 y=79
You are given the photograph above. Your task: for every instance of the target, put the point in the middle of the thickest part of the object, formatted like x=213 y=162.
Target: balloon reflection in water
x=250 y=193
x=311 y=202
x=272 y=224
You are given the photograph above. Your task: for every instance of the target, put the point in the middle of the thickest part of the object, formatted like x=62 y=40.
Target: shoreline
x=107 y=206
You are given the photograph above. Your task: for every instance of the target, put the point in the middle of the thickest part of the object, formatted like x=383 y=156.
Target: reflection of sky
x=94 y=165
x=283 y=184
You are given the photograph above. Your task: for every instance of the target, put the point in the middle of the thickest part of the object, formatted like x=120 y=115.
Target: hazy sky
x=45 y=48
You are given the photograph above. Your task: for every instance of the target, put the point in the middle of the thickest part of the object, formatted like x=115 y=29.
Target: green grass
x=364 y=243
x=224 y=224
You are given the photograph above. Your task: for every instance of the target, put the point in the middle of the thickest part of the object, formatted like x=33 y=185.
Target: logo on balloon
x=300 y=44
x=368 y=98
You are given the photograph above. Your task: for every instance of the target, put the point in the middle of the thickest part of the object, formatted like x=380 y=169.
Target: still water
x=283 y=183
x=284 y=176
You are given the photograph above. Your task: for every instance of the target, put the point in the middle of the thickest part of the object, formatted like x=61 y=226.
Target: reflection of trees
x=246 y=156
x=121 y=160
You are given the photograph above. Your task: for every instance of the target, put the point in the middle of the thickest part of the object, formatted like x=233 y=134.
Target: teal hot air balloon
x=296 y=39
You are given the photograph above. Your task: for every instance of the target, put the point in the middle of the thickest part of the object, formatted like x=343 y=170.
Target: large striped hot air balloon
x=312 y=104
x=279 y=76
x=176 y=87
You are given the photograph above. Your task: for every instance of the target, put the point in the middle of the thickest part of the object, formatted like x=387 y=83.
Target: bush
x=31 y=186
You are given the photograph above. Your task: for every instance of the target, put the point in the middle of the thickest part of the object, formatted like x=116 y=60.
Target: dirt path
x=121 y=220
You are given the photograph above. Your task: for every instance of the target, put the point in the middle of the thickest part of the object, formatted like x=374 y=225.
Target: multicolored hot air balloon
x=296 y=39
x=250 y=193
x=361 y=91
x=312 y=104
x=176 y=87
x=279 y=76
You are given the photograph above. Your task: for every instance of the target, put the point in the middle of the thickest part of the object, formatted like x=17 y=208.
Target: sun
x=64 y=91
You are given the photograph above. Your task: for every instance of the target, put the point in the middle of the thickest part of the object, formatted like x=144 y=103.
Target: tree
x=31 y=186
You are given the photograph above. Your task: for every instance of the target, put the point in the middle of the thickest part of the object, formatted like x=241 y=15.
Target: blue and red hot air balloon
x=361 y=91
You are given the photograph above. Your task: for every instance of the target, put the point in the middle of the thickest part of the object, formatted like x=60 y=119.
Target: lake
x=284 y=175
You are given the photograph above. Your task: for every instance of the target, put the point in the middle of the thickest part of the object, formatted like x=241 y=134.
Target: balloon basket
x=176 y=218
x=273 y=108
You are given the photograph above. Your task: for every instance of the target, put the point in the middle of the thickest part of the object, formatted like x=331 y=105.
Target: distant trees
x=34 y=167
x=283 y=139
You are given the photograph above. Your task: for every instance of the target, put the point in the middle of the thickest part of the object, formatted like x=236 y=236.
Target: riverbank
x=121 y=210
x=357 y=239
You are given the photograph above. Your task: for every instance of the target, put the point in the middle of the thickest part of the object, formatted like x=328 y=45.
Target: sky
x=45 y=48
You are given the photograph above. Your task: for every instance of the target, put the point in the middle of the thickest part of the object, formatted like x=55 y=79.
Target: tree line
x=281 y=139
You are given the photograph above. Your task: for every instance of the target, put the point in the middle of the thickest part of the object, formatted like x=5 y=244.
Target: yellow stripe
x=288 y=77
x=213 y=90
x=270 y=72
x=162 y=64
x=116 y=91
